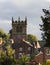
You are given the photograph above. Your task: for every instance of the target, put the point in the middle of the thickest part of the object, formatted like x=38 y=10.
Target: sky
x=30 y=8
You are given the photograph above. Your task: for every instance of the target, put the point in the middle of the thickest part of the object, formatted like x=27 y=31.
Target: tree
x=9 y=51
x=32 y=37
x=47 y=62
x=32 y=56
x=10 y=32
x=45 y=27
x=4 y=36
x=7 y=56
x=23 y=59
x=1 y=32
x=2 y=56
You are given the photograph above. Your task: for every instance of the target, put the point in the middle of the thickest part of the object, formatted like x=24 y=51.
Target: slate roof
x=42 y=43
x=15 y=45
x=27 y=43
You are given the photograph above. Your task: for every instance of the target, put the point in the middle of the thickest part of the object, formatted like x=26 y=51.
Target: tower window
x=19 y=29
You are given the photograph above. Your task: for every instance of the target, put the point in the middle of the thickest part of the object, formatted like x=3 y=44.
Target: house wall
x=42 y=57
x=24 y=50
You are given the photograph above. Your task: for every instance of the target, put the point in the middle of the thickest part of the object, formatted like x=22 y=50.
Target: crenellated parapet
x=19 y=21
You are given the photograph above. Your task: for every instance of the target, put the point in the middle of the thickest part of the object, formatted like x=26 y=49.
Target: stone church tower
x=19 y=29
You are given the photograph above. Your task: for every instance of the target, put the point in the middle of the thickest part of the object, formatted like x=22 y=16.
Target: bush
x=47 y=62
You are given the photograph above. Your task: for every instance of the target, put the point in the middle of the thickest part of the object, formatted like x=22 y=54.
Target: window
x=19 y=29
x=48 y=51
x=28 y=55
x=20 y=54
x=29 y=48
x=20 y=49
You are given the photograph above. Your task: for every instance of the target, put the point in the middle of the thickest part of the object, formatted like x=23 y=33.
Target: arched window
x=19 y=29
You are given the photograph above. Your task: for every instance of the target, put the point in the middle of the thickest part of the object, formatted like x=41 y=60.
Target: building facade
x=19 y=35
x=19 y=28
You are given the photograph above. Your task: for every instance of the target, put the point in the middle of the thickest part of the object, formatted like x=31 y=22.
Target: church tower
x=19 y=29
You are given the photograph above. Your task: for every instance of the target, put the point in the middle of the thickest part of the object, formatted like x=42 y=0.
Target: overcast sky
x=30 y=8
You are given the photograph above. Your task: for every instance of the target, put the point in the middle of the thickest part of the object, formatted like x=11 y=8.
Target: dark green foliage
x=45 y=27
x=32 y=56
x=7 y=56
x=10 y=32
x=8 y=61
x=1 y=33
x=23 y=59
x=5 y=37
